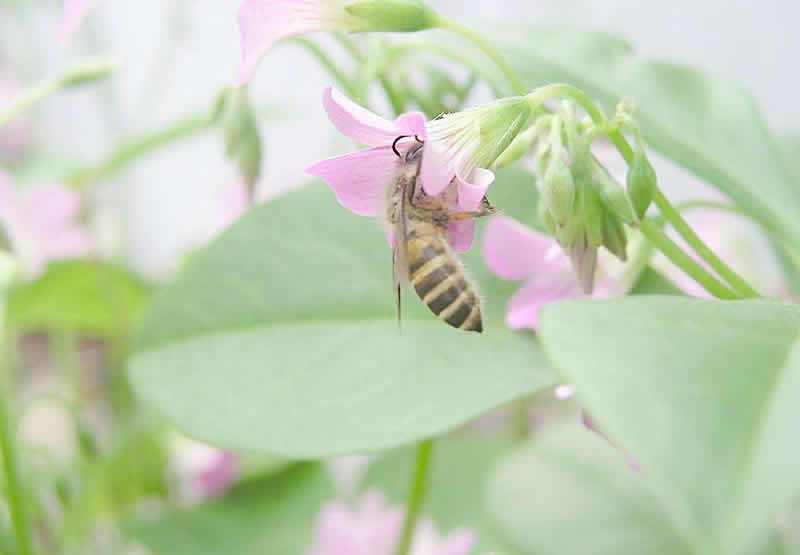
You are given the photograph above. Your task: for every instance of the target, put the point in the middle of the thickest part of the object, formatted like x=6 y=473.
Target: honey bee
x=422 y=254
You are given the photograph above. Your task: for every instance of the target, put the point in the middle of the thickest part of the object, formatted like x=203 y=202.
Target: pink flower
x=203 y=471
x=264 y=22
x=232 y=201
x=738 y=243
x=359 y=179
x=75 y=11
x=373 y=527
x=16 y=135
x=516 y=253
x=41 y=224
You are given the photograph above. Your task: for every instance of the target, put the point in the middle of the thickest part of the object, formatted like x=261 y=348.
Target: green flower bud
x=242 y=139
x=614 y=236
x=558 y=189
x=641 y=181
x=614 y=195
x=593 y=215
x=546 y=218
x=518 y=148
x=392 y=15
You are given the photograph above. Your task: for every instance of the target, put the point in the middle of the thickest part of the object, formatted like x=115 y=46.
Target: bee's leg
x=471 y=215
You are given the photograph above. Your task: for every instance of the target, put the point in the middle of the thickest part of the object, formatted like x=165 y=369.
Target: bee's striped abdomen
x=438 y=277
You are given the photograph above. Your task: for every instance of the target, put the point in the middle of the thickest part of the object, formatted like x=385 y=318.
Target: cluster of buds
x=581 y=203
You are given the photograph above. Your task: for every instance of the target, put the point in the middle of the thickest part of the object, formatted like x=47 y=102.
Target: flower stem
x=499 y=60
x=416 y=496
x=703 y=251
x=685 y=262
x=128 y=152
x=326 y=62
x=8 y=453
x=84 y=71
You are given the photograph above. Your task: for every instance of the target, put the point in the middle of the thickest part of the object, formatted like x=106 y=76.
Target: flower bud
x=641 y=181
x=518 y=148
x=614 y=237
x=593 y=215
x=392 y=15
x=558 y=189
x=242 y=139
x=546 y=218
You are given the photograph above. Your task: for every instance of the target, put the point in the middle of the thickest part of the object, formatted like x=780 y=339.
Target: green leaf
x=281 y=337
x=457 y=496
x=78 y=295
x=707 y=125
x=272 y=515
x=652 y=282
x=703 y=395
x=571 y=493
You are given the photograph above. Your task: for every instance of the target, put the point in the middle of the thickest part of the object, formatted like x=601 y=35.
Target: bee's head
x=413 y=152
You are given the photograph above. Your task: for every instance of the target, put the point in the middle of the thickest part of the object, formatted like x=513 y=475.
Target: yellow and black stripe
x=438 y=277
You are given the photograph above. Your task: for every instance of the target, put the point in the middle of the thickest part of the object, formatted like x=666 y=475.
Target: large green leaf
x=705 y=395
x=281 y=337
x=707 y=125
x=571 y=493
x=271 y=515
x=78 y=295
x=458 y=492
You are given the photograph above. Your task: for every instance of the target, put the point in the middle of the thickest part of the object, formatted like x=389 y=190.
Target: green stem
x=416 y=497
x=8 y=453
x=85 y=70
x=131 y=150
x=489 y=50
x=27 y=99
x=326 y=62
x=677 y=256
x=463 y=58
x=703 y=251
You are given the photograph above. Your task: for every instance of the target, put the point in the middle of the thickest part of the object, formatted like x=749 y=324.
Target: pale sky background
x=169 y=200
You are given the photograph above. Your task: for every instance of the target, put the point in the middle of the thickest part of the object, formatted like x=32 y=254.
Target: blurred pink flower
x=373 y=527
x=74 y=13
x=204 y=471
x=16 y=136
x=738 y=243
x=232 y=201
x=516 y=253
x=359 y=179
x=41 y=224
x=264 y=22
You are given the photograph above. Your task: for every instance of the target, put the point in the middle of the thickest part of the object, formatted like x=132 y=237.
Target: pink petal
x=264 y=22
x=524 y=306
x=515 y=252
x=47 y=210
x=6 y=199
x=437 y=169
x=74 y=13
x=458 y=542
x=365 y=126
x=472 y=191
x=359 y=179
x=67 y=243
x=461 y=234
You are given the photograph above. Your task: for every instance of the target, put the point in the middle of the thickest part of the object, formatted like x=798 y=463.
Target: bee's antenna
x=420 y=141
x=394 y=144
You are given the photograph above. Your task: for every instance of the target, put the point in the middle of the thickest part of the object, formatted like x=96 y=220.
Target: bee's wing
x=400 y=249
